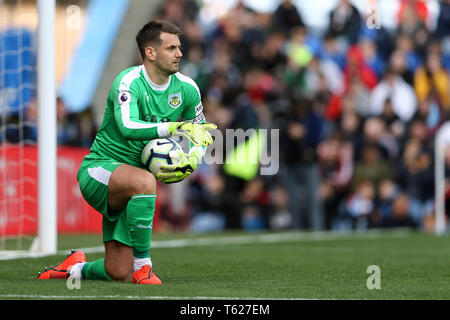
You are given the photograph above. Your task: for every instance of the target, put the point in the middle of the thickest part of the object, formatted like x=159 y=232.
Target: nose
x=179 y=54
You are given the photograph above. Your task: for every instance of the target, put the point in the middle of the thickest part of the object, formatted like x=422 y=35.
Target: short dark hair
x=151 y=32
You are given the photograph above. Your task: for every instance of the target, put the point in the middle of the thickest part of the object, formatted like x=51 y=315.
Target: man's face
x=168 y=54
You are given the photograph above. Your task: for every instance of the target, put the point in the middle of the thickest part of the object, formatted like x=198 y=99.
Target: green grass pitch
x=257 y=266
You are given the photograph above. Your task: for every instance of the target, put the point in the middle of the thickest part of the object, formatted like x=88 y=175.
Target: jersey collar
x=153 y=85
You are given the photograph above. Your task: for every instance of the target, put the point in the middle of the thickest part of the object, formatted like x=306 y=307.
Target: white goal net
x=20 y=152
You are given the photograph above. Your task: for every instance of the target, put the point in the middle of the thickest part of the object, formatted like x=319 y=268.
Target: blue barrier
x=18 y=70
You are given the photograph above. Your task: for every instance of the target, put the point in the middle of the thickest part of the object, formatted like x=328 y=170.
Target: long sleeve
x=126 y=114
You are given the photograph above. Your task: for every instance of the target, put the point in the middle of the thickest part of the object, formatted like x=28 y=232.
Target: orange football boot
x=145 y=275
x=63 y=270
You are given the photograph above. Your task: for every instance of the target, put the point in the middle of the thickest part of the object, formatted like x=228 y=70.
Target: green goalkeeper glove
x=180 y=171
x=197 y=133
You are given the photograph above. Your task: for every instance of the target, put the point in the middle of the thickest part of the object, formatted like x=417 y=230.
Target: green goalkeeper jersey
x=138 y=110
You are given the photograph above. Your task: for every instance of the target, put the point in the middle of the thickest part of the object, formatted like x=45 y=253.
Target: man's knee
x=145 y=184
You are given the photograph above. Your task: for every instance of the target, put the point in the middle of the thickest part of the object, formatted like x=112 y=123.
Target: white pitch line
x=239 y=240
x=264 y=238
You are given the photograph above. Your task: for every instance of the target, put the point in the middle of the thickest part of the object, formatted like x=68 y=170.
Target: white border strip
x=32 y=296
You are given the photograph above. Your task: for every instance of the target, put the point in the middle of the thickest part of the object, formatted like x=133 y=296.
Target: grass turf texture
x=300 y=266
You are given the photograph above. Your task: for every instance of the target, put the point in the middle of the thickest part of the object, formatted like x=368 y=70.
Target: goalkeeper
x=144 y=103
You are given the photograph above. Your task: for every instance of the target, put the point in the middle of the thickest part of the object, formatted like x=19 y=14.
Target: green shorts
x=93 y=178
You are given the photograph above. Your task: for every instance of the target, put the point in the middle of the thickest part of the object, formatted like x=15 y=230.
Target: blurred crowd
x=357 y=109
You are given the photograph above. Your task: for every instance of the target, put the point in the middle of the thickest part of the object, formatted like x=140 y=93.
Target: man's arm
x=193 y=116
x=126 y=113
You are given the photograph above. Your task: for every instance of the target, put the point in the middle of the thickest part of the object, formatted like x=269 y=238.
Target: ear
x=150 y=53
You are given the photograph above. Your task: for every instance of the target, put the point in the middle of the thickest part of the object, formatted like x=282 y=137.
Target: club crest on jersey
x=175 y=99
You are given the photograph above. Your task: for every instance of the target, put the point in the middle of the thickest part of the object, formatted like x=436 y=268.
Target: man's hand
x=180 y=171
x=197 y=133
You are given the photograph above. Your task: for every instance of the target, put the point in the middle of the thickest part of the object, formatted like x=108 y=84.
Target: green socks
x=95 y=270
x=140 y=211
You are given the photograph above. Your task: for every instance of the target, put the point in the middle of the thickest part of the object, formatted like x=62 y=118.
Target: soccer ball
x=156 y=153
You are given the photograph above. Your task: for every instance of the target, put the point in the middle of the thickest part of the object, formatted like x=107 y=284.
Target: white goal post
x=442 y=141
x=46 y=240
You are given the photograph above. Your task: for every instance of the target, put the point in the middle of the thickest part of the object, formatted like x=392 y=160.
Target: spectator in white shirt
x=400 y=93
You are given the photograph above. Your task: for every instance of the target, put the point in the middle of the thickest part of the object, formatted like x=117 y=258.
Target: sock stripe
x=144 y=196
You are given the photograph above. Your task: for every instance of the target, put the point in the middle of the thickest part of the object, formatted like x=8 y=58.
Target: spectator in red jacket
x=358 y=68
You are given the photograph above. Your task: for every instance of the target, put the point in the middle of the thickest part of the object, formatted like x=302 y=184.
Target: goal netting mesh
x=18 y=129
